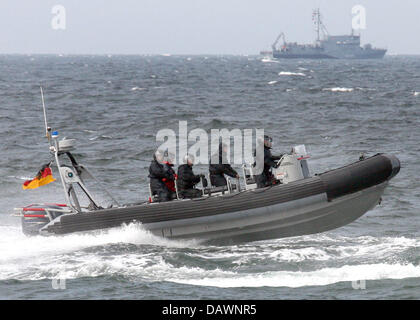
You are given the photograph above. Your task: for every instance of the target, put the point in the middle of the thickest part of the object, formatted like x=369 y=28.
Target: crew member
x=187 y=179
x=221 y=167
x=168 y=165
x=159 y=174
x=266 y=177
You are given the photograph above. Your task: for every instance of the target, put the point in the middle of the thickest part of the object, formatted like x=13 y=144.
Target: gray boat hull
x=307 y=206
x=310 y=215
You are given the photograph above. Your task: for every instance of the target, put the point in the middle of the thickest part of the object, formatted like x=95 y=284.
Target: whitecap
x=136 y=89
x=272 y=82
x=269 y=60
x=288 y=73
x=20 y=177
x=338 y=89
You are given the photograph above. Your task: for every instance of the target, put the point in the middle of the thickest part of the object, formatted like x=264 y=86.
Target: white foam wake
x=320 y=277
x=16 y=246
x=324 y=259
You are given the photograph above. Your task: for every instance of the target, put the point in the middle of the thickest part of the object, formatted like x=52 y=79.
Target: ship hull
x=301 y=56
x=362 y=54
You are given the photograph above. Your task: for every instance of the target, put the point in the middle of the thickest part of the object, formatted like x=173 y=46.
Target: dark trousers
x=263 y=180
x=190 y=193
x=165 y=195
x=218 y=180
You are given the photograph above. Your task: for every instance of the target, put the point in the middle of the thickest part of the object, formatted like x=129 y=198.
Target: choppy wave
x=115 y=107
x=136 y=254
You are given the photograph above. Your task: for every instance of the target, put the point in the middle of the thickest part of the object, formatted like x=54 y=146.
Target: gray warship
x=330 y=47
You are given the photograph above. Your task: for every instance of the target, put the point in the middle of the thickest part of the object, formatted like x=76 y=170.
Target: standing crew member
x=218 y=170
x=266 y=177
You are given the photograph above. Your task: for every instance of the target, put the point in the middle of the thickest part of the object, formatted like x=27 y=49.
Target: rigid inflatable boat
x=299 y=205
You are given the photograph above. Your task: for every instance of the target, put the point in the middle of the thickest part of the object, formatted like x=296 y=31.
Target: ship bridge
x=351 y=40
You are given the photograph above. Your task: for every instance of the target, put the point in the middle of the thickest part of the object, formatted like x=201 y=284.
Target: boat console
x=290 y=167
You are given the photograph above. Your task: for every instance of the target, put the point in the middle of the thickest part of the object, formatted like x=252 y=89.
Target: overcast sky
x=197 y=26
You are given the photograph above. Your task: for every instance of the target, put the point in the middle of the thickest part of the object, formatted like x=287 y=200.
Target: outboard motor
x=293 y=166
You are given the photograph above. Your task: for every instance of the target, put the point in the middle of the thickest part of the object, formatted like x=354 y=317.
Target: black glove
x=205 y=183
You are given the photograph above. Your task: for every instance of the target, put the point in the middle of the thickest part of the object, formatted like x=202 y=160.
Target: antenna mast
x=316 y=17
x=47 y=129
x=320 y=27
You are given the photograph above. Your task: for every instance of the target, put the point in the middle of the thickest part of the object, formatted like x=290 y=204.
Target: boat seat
x=250 y=180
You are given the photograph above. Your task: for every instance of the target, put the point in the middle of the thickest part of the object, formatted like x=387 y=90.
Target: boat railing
x=176 y=187
x=249 y=177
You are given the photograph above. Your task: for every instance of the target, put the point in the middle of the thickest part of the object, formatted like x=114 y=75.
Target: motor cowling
x=293 y=166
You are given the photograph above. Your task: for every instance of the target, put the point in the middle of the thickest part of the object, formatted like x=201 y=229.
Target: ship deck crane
x=274 y=45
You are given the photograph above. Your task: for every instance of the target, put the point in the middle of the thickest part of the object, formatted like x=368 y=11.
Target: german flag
x=43 y=177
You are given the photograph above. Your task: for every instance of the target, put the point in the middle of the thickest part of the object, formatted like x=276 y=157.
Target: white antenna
x=45 y=114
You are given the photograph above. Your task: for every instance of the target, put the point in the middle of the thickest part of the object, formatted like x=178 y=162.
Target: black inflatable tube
x=360 y=175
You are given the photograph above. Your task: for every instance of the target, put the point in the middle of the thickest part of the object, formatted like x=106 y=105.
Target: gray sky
x=197 y=26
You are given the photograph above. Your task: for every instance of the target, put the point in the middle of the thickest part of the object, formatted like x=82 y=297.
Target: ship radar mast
x=319 y=26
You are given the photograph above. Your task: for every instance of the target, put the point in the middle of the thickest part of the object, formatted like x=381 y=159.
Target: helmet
x=189 y=158
x=268 y=138
x=268 y=141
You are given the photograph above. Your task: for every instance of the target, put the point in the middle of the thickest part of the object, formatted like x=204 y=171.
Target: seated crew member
x=187 y=179
x=266 y=177
x=221 y=167
x=158 y=174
